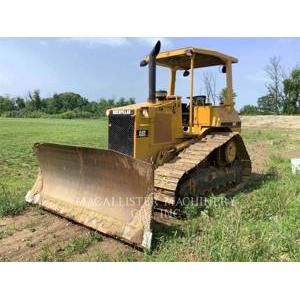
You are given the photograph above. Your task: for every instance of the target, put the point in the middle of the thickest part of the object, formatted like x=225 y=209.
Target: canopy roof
x=181 y=58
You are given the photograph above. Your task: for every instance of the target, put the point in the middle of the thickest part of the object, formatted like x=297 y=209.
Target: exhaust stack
x=152 y=71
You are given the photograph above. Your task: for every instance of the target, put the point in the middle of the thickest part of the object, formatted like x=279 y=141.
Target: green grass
x=75 y=246
x=10 y=203
x=18 y=168
x=278 y=138
x=260 y=223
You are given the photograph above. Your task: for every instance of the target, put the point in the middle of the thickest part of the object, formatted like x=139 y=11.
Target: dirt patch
x=259 y=153
x=292 y=122
x=28 y=236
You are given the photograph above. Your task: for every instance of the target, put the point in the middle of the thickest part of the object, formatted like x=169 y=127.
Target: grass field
x=260 y=223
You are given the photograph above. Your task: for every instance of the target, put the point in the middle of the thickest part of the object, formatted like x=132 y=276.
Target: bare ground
x=292 y=122
x=40 y=235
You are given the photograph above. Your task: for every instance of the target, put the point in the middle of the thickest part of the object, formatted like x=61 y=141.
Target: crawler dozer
x=161 y=151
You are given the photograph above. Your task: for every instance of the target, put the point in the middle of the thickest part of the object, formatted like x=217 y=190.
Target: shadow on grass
x=163 y=232
x=256 y=181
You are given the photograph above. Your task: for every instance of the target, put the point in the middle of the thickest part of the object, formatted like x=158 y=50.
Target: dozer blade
x=102 y=189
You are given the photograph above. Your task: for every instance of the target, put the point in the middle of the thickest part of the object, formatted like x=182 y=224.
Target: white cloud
x=98 y=41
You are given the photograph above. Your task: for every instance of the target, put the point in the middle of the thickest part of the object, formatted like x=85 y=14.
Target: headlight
x=145 y=112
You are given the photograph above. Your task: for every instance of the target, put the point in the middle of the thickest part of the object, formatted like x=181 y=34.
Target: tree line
x=66 y=105
x=282 y=97
x=282 y=92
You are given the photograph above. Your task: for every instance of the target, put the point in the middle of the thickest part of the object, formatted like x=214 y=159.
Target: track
x=193 y=166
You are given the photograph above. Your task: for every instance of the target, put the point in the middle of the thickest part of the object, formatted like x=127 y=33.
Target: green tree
x=131 y=100
x=121 y=102
x=291 y=88
x=63 y=102
x=223 y=95
x=71 y=101
x=67 y=105
x=54 y=105
x=249 y=110
x=20 y=102
x=103 y=104
x=6 y=104
x=265 y=105
x=35 y=101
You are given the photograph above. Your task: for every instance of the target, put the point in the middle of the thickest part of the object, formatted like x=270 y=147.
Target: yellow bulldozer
x=160 y=152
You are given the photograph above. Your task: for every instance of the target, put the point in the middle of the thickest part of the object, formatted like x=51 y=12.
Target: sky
x=109 y=67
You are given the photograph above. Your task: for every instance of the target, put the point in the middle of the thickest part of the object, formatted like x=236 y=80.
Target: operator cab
x=186 y=61
x=201 y=112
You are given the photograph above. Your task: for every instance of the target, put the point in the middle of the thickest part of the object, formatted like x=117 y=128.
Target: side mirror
x=186 y=73
x=223 y=70
x=143 y=63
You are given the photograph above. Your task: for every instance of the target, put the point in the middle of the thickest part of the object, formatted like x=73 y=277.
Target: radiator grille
x=121 y=133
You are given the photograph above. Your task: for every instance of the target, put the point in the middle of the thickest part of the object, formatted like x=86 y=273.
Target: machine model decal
x=142 y=133
x=122 y=112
